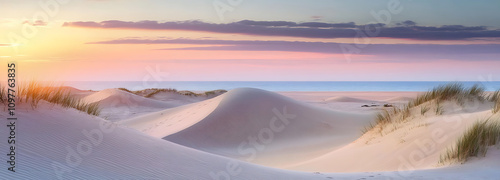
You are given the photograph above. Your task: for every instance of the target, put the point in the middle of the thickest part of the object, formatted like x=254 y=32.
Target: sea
x=278 y=85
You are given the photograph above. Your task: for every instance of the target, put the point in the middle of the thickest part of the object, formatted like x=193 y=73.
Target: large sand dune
x=255 y=125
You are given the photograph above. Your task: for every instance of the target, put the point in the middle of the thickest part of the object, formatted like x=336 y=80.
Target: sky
x=257 y=40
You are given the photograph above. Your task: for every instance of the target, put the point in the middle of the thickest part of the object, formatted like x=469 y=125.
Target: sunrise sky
x=252 y=40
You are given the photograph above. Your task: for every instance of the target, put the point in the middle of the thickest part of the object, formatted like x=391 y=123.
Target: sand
x=242 y=134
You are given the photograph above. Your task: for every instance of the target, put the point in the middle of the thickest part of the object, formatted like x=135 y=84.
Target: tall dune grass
x=424 y=109
x=496 y=107
x=495 y=98
x=126 y=90
x=452 y=91
x=3 y=94
x=33 y=92
x=474 y=142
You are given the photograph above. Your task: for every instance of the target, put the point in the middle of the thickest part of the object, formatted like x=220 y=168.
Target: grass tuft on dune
x=126 y=90
x=474 y=142
x=3 y=94
x=448 y=92
x=148 y=93
x=33 y=92
x=156 y=91
x=495 y=98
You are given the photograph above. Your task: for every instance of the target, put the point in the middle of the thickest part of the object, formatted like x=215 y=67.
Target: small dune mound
x=347 y=99
x=116 y=98
x=76 y=93
x=176 y=97
x=117 y=105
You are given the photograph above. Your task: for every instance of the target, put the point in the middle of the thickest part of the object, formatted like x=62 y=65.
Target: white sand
x=243 y=134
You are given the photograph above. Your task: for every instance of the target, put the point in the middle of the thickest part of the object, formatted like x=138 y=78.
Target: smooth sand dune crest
x=256 y=126
x=169 y=121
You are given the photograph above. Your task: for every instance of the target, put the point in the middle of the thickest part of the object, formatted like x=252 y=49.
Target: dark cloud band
x=318 y=47
x=406 y=29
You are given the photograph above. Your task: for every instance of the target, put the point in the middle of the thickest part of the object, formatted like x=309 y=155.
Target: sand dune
x=117 y=104
x=115 y=97
x=76 y=93
x=178 y=99
x=163 y=123
x=347 y=99
x=227 y=124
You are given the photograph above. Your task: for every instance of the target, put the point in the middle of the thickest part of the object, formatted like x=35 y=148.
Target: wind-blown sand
x=242 y=134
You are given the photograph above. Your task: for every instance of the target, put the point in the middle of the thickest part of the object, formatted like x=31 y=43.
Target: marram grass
x=452 y=91
x=33 y=92
x=495 y=98
x=474 y=142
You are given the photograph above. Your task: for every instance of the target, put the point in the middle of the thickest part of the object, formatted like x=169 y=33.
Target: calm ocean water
x=276 y=85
